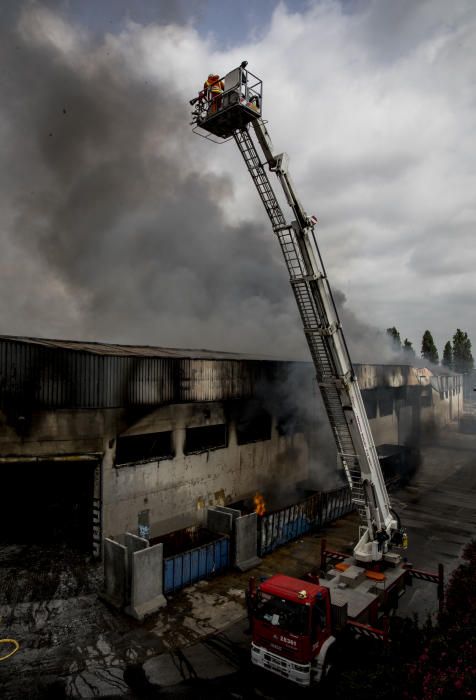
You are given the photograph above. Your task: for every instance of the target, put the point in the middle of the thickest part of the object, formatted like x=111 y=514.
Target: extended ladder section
x=334 y=371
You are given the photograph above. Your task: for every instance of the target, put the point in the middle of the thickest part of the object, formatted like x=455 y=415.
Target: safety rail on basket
x=226 y=104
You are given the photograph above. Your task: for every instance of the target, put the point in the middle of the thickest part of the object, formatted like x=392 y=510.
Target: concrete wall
x=404 y=403
x=408 y=414
x=59 y=432
x=177 y=491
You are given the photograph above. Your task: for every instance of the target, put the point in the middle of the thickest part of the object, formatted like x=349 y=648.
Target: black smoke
x=111 y=230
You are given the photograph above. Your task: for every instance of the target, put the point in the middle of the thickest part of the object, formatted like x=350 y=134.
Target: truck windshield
x=285 y=614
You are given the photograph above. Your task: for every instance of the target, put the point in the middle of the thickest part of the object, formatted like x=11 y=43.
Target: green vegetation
x=436 y=660
x=396 y=344
x=462 y=358
x=456 y=356
x=408 y=349
x=395 y=340
x=428 y=348
x=447 y=360
x=446 y=664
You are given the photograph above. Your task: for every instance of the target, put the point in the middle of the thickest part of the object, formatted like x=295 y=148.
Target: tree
x=394 y=337
x=428 y=348
x=462 y=358
x=408 y=349
x=445 y=665
x=447 y=360
x=422 y=662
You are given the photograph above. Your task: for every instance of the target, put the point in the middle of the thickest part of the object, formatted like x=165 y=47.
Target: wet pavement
x=72 y=645
x=439 y=511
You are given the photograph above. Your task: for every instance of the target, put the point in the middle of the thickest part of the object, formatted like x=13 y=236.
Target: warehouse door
x=48 y=503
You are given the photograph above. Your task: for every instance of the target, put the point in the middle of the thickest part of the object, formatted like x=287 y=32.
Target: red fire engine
x=296 y=622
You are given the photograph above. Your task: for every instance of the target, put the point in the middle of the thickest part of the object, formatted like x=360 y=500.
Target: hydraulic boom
x=230 y=114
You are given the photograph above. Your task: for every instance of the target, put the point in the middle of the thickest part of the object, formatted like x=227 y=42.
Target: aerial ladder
x=234 y=111
x=296 y=623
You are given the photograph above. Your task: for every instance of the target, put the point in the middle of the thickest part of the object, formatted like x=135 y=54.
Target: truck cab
x=291 y=628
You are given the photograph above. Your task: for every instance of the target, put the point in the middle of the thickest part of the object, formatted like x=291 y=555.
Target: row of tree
x=456 y=355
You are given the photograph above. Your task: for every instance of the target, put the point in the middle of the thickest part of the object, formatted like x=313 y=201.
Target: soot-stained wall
x=217 y=431
x=174 y=492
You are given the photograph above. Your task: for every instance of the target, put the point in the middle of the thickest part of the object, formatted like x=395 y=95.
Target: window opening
x=253 y=426
x=144 y=448
x=204 y=438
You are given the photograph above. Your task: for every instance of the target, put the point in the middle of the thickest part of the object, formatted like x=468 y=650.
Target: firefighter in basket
x=213 y=87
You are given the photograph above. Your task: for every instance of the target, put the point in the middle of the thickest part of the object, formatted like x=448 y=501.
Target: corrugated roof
x=114 y=349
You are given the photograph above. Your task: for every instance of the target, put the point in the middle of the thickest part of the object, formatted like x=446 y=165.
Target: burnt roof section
x=43 y=373
x=117 y=350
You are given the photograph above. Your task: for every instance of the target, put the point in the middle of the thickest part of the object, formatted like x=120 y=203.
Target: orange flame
x=260 y=504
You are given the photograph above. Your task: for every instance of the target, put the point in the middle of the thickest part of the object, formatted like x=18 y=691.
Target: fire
x=260 y=504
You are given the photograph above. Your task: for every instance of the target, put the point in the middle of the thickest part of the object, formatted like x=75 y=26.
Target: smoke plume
x=112 y=227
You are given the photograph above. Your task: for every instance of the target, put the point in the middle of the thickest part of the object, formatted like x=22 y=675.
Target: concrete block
x=219 y=522
x=352 y=576
x=392 y=558
x=332 y=573
x=246 y=539
x=147 y=582
x=133 y=543
x=115 y=573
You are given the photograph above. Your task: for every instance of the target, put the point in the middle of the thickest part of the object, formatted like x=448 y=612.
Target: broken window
x=426 y=398
x=253 y=425
x=144 y=448
x=207 y=437
x=370 y=403
x=385 y=404
x=400 y=393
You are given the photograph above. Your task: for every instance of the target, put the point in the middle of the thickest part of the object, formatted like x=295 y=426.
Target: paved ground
x=439 y=510
x=74 y=646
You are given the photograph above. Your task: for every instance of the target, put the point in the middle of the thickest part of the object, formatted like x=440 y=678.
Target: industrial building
x=98 y=439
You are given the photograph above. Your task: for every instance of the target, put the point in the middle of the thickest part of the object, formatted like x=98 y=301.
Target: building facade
x=100 y=439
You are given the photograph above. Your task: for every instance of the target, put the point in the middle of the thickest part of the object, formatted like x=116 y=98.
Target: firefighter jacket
x=213 y=85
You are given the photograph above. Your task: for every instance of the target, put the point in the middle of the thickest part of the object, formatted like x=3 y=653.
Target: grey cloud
x=377 y=167
x=115 y=240
x=108 y=15
x=392 y=29
x=435 y=252
x=136 y=237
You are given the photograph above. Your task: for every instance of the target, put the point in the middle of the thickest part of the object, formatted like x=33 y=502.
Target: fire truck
x=295 y=623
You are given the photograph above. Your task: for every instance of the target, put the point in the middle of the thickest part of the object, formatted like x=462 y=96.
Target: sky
x=118 y=224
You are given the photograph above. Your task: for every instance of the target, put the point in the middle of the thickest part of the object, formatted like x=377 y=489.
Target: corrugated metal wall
x=37 y=376
x=214 y=380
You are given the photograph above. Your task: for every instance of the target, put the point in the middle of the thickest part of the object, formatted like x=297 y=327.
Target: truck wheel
x=329 y=663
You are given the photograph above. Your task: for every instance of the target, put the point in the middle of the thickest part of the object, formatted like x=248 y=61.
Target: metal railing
x=286 y=524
